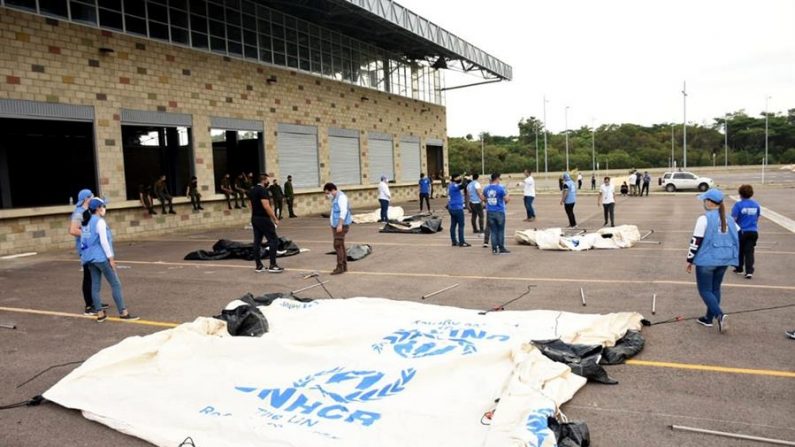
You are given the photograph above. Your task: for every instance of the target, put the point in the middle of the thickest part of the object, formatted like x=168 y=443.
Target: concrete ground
x=741 y=382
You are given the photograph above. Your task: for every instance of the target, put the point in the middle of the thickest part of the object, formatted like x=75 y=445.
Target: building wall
x=47 y=60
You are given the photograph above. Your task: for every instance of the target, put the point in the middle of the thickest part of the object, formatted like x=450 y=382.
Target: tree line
x=629 y=145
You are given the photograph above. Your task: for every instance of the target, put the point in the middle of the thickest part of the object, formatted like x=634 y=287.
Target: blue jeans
x=457 y=220
x=528 y=206
x=384 y=209
x=496 y=221
x=708 y=280
x=97 y=270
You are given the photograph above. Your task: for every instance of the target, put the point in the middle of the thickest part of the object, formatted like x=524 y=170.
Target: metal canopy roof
x=394 y=28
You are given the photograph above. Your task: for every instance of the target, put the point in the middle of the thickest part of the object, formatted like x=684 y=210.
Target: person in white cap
x=83 y=197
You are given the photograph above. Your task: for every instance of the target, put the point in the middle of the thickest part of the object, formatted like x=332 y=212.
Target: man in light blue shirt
x=568 y=197
x=475 y=204
x=340 y=220
x=496 y=197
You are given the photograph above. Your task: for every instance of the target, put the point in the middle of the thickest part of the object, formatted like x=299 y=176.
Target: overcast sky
x=619 y=61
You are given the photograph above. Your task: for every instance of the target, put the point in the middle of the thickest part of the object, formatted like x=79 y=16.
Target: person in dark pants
x=384 y=197
x=455 y=206
x=593 y=182
x=746 y=213
x=646 y=182
x=496 y=197
x=145 y=198
x=475 y=204
x=264 y=223
x=289 y=196
x=241 y=188
x=425 y=191
x=278 y=198
x=75 y=229
x=607 y=199
x=568 y=198
x=163 y=195
x=340 y=220
x=638 y=181
x=194 y=194
x=229 y=192
x=529 y=195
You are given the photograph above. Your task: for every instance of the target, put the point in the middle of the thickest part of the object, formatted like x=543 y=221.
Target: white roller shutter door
x=344 y=153
x=409 y=159
x=297 y=147
x=380 y=153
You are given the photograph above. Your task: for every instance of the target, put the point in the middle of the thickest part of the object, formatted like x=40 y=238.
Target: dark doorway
x=236 y=151
x=150 y=152
x=45 y=163
x=435 y=158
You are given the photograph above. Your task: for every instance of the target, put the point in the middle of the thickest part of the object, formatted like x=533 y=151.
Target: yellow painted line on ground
x=674 y=365
x=712 y=368
x=53 y=313
x=198 y=264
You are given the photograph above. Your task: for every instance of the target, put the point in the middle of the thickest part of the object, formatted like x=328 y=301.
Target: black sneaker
x=738 y=271
x=105 y=305
x=89 y=312
x=494 y=252
x=455 y=244
x=749 y=275
x=704 y=322
x=275 y=269
x=129 y=317
x=259 y=268
x=102 y=318
x=464 y=244
x=722 y=324
x=505 y=251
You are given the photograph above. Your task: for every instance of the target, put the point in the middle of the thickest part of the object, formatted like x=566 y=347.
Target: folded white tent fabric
x=353 y=372
x=392 y=213
x=622 y=236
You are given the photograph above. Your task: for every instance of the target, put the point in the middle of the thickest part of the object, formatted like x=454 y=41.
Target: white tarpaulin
x=622 y=236
x=354 y=372
x=392 y=213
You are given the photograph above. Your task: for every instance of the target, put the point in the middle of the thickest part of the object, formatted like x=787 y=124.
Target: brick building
x=111 y=94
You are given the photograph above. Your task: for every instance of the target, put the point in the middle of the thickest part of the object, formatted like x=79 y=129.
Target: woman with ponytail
x=715 y=246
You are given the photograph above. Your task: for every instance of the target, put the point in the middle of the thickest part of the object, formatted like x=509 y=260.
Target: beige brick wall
x=52 y=61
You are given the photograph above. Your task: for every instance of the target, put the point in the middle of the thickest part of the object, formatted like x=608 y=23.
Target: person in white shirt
x=384 y=197
x=529 y=195
x=632 y=178
x=579 y=180
x=608 y=201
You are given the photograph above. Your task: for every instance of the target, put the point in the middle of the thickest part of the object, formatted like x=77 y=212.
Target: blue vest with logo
x=336 y=211
x=571 y=197
x=718 y=249
x=455 y=197
x=90 y=247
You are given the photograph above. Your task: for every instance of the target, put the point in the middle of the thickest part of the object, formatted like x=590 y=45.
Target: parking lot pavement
x=742 y=381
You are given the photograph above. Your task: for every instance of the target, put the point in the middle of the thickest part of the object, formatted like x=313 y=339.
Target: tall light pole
x=593 y=146
x=566 y=122
x=764 y=162
x=672 y=146
x=684 y=125
x=546 y=165
x=482 y=153
x=726 y=141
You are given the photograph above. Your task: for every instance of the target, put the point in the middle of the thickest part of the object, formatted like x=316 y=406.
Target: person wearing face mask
x=340 y=221
x=715 y=246
x=263 y=223
x=607 y=199
x=96 y=254
x=568 y=198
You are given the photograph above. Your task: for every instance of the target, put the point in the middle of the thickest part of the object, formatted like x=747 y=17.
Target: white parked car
x=677 y=181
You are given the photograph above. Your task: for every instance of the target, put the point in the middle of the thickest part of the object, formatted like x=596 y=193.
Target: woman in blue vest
x=96 y=254
x=714 y=246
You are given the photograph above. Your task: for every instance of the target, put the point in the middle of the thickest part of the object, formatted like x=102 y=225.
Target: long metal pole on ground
x=684 y=125
x=732 y=435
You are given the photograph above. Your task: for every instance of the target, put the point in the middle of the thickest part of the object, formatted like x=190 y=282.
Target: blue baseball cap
x=83 y=195
x=712 y=194
x=95 y=203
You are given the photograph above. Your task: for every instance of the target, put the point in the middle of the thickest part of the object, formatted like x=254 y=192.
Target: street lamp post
x=546 y=165
x=672 y=146
x=482 y=153
x=536 y=146
x=566 y=123
x=684 y=125
x=764 y=162
x=593 y=146
x=726 y=141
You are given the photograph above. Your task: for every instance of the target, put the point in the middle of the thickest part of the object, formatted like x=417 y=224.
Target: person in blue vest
x=496 y=197
x=455 y=206
x=475 y=204
x=715 y=246
x=340 y=220
x=568 y=198
x=425 y=191
x=75 y=229
x=96 y=254
x=746 y=213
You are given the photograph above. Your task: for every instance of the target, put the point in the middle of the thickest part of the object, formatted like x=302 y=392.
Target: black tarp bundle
x=226 y=249
x=242 y=317
x=356 y=252
x=418 y=223
x=585 y=360
x=570 y=434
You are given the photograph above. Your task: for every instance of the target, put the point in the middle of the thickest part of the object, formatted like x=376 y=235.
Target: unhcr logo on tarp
x=438 y=338
x=336 y=394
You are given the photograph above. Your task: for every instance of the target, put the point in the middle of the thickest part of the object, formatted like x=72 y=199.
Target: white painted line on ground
x=20 y=255
x=782 y=221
